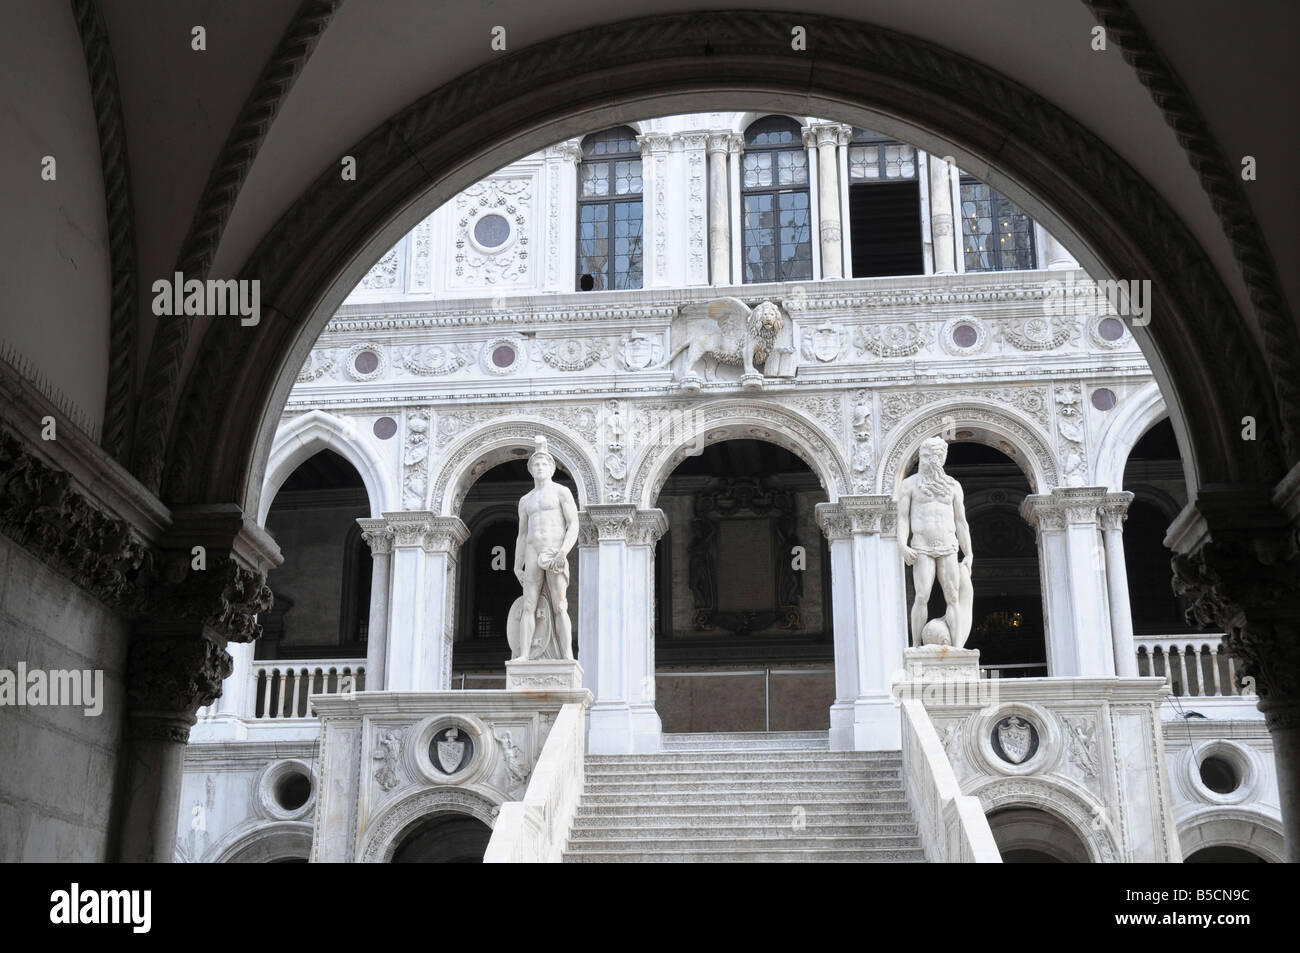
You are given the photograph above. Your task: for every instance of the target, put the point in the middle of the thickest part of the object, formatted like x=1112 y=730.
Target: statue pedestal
x=543 y=675
x=941 y=663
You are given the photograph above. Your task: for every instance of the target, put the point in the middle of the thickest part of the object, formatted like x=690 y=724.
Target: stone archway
x=317 y=430
x=1244 y=829
x=392 y=826
x=267 y=843
x=1085 y=820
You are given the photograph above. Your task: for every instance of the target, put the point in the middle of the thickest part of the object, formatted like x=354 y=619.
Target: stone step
x=742 y=772
x=756 y=855
x=751 y=740
x=703 y=842
x=775 y=755
x=793 y=787
x=696 y=799
x=724 y=827
x=667 y=815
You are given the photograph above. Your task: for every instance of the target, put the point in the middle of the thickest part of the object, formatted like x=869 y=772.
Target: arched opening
x=1223 y=854
x=743 y=638
x=447 y=838
x=322 y=591
x=1007 y=621
x=1154 y=475
x=1027 y=835
x=487 y=587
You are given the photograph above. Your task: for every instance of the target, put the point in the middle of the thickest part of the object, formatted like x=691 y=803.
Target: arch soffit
x=302 y=438
x=486 y=445
x=739 y=419
x=394 y=823
x=1058 y=799
x=1243 y=828
x=1142 y=411
x=1033 y=447
x=911 y=89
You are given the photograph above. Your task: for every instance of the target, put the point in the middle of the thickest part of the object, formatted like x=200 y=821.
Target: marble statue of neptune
x=538 y=625
x=932 y=526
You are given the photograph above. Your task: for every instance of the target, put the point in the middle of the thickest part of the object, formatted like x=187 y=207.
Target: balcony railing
x=281 y=689
x=1195 y=665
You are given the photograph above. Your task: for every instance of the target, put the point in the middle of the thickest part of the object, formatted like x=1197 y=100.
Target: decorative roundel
x=963 y=336
x=366 y=362
x=1108 y=331
x=1014 y=739
x=1017 y=738
x=502 y=356
x=384 y=427
x=1103 y=398
x=491 y=233
x=1221 y=771
x=451 y=749
x=286 y=790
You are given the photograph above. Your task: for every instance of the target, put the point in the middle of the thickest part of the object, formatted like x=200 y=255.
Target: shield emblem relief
x=1015 y=737
x=827 y=343
x=451 y=751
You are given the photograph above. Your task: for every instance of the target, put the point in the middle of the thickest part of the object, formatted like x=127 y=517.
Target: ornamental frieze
x=893 y=340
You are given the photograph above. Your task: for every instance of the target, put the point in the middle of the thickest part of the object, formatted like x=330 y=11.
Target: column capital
x=570 y=150
x=857 y=516
x=692 y=139
x=432 y=533
x=378 y=535
x=620 y=522
x=655 y=141
x=1065 y=505
x=1113 y=510
x=718 y=141
x=821 y=134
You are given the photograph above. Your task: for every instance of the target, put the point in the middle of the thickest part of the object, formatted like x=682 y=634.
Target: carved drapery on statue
x=777 y=587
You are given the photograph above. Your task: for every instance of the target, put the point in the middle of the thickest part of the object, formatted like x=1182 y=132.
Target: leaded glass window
x=610 y=212
x=873 y=158
x=996 y=235
x=776 y=216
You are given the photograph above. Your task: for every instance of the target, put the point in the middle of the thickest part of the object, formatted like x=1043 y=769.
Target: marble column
x=616 y=625
x=1054 y=254
x=814 y=200
x=846 y=230
x=656 y=147
x=735 y=152
x=1237 y=564
x=719 y=210
x=826 y=138
x=379 y=536
x=561 y=199
x=1113 y=511
x=941 y=220
x=421 y=601
x=1076 y=608
x=868 y=603
x=177 y=662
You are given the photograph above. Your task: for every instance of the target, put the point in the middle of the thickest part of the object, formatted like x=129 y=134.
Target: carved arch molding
x=544 y=93
x=386 y=831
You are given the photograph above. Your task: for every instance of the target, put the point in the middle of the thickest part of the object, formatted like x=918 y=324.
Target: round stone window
x=503 y=355
x=385 y=427
x=1103 y=398
x=491 y=231
x=292 y=789
x=365 y=362
x=1110 y=329
x=963 y=335
x=1220 y=775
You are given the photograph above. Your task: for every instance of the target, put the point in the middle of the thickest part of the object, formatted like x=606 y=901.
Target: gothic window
x=777 y=219
x=609 y=212
x=996 y=236
x=884 y=207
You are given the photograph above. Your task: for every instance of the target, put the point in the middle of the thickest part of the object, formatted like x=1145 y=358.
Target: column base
x=647 y=730
x=543 y=675
x=867 y=723
x=609 y=728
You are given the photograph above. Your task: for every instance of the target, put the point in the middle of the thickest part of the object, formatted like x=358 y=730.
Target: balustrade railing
x=281 y=688
x=1195 y=665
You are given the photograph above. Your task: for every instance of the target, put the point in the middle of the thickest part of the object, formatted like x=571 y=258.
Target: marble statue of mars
x=548 y=529
x=932 y=527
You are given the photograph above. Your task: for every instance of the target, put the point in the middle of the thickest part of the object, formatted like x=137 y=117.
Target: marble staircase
x=737 y=797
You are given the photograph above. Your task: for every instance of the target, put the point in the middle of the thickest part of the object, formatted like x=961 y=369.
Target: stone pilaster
x=826 y=138
x=1077 y=610
x=421 y=605
x=693 y=147
x=941 y=221
x=656 y=147
x=868 y=593
x=561 y=198
x=616 y=625
x=1112 y=512
x=1238 y=562
x=719 y=210
x=379 y=537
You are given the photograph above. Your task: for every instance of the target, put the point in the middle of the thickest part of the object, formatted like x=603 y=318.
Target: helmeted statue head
x=541 y=458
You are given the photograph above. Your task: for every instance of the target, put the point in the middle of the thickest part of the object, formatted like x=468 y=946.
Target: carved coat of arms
x=824 y=342
x=638 y=351
x=1015 y=737
x=451 y=751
